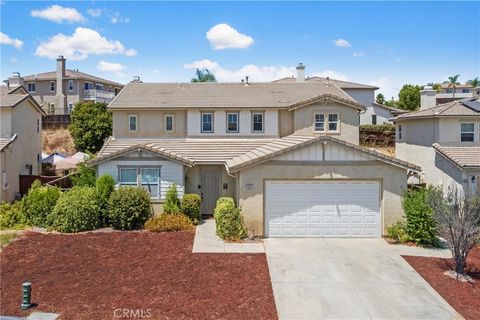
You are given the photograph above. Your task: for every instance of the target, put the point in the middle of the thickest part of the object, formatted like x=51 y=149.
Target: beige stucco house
x=58 y=91
x=20 y=139
x=445 y=142
x=288 y=153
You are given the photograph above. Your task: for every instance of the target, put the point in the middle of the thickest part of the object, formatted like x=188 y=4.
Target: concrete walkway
x=348 y=279
x=206 y=241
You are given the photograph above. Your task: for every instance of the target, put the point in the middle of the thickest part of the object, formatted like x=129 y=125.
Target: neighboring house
x=20 y=139
x=58 y=91
x=445 y=142
x=361 y=93
x=430 y=98
x=288 y=154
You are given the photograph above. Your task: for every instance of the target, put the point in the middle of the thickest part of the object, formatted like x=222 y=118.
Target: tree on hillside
x=391 y=103
x=474 y=82
x=380 y=99
x=90 y=125
x=409 y=97
x=204 y=76
x=453 y=83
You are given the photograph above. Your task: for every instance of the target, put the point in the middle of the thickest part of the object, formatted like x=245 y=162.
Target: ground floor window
x=145 y=177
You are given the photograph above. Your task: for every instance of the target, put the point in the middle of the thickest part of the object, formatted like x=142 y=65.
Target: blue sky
x=383 y=43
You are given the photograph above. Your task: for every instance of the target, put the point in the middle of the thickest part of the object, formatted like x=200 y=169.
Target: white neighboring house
x=445 y=142
x=430 y=98
x=362 y=93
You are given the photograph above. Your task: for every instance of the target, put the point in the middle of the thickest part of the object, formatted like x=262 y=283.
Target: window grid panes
x=467 y=133
x=257 y=122
x=232 y=122
x=207 y=122
x=31 y=87
x=52 y=86
x=169 y=123
x=150 y=181
x=132 y=123
x=88 y=86
x=70 y=85
x=319 y=122
x=332 y=122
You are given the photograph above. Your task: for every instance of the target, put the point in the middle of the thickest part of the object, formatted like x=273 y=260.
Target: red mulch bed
x=463 y=297
x=89 y=276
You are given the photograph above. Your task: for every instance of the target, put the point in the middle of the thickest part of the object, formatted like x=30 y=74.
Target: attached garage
x=326 y=208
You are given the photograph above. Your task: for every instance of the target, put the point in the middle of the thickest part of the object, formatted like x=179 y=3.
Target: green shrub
x=169 y=222
x=11 y=216
x=86 y=176
x=105 y=186
x=397 y=232
x=191 y=206
x=39 y=203
x=129 y=208
x=76 y=210
x=228 y=220
x=172 y=204
x=385 y=128
x=420 y=225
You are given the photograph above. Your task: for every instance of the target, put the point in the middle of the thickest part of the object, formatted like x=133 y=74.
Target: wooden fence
x=377 y=138
x=55 y=121
x=27 y=180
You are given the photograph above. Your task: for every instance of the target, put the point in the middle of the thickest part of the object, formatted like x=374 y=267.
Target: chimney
x=300 y=72
x=61 y=98
x=428 y=98
x=14 y=81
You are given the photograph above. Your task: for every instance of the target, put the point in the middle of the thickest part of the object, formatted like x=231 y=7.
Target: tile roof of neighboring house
x=236 y=154
x=225 y=95
x=447 y=85
x=70 y=74
x=342 y=84
x=11 y=98
x=391 y=109
x=461 y=108
x=5 y=142
x=462 y=154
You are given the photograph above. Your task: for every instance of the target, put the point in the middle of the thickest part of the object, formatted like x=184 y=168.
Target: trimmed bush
x=168 y=223
x=76 y=210
x=172 y=203
x=11 y=216
x=228 y=220
x=191 y=206
x=86 y=176
x=420 y=225
x=39 y=203
x=397 y=232
x=129 y=208
x=105 y=186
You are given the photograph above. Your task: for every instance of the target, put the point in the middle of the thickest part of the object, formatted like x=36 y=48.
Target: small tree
x=86 y=176
x=409 y=97
x=420 y=225
x=172 y=203
x=105 y=185
x=458 y=218
x=380 y=99
x=453 y=83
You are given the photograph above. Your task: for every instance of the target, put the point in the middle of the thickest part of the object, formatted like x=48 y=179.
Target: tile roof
x=69 y=74
x=391 y=109
x=5 y=142
x=342 y=84
x=11 y=98
x=462 y=154
x=223 y=95
x=450 y=109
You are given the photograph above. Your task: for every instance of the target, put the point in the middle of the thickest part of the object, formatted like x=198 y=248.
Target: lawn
x=463 y=297
x=93 y=275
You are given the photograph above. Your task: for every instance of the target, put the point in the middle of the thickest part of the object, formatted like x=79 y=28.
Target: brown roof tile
x=462 y=154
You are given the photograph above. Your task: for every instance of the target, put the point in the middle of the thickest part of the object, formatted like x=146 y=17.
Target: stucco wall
x=193 y=180
x=363 y=96
x=285 y=119
x=382 y=115
x=449 y=129
x=150 y=124
x=5 y=122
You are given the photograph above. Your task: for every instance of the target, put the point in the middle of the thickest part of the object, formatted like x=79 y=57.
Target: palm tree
x=474 y=82
x=452 y=83
x=204 y=76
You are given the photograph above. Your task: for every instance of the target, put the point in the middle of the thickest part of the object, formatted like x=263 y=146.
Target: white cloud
x=332 y=75
x=116 y=17
x=5 y=39
x=342 y=43
x=79 y=45
x=131 y=52
x=223 y=36
x=110 y=67
x=59 y=14
x=358 y=54
x=94 y=12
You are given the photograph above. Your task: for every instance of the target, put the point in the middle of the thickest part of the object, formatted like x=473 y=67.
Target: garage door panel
x=322 y=209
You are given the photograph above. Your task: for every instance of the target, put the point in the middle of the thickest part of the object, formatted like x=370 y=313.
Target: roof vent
x=246 y=81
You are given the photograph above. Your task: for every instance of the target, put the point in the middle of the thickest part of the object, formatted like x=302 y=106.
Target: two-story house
x=288 y=153
x=20 y=139
x=58 y=91
x=445 y=142
x=430 y=98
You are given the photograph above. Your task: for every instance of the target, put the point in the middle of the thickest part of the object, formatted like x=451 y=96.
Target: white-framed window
x=467 y=132
x=127 y=176
x=132 y=123
x=31 y=87
x=319 y=122
x=232 y=121
x=145 y=177
x=169 y=122
x=88 y=85
x=207 y=122
x=257 y=121
x=400 y=132
x=98 y=86
x=52 y=86
x=70 y=85
x=70 y=107
x=333 y=122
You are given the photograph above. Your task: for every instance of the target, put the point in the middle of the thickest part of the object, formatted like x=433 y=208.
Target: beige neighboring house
x=58 y=91
x=430 y=98
x=288 y=153
x=445 y=142
x=20 y=139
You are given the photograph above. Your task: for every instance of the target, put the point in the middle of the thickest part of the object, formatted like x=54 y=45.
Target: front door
x=210 y=189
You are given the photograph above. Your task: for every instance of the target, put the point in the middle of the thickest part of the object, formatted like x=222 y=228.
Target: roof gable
x=460 y=108
x=460 y=154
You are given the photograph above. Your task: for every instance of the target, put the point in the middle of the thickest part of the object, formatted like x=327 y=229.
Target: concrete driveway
x=348 y=279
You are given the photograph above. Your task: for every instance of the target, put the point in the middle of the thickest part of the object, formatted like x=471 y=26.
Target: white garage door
x=322 y=209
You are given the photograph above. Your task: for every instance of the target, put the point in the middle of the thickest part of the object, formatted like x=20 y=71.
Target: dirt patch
x=463 y=297
x=89 y=276
x=58 y=140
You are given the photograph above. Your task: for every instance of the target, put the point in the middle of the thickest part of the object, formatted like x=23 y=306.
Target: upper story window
x=465 y=90
x=333 y=122
x=88 y=85
x=52 y=86
x=257 y=122
x=99 y=86
x=70 y=85
x=319 y=122
x=400 y=132
x=232 y=122
x=110 y=89
x=169 y=122
x=31 y=87
x=326 y=122
x=207 y=122
x=132 y=123
x=467 y=132
x=449 y=91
